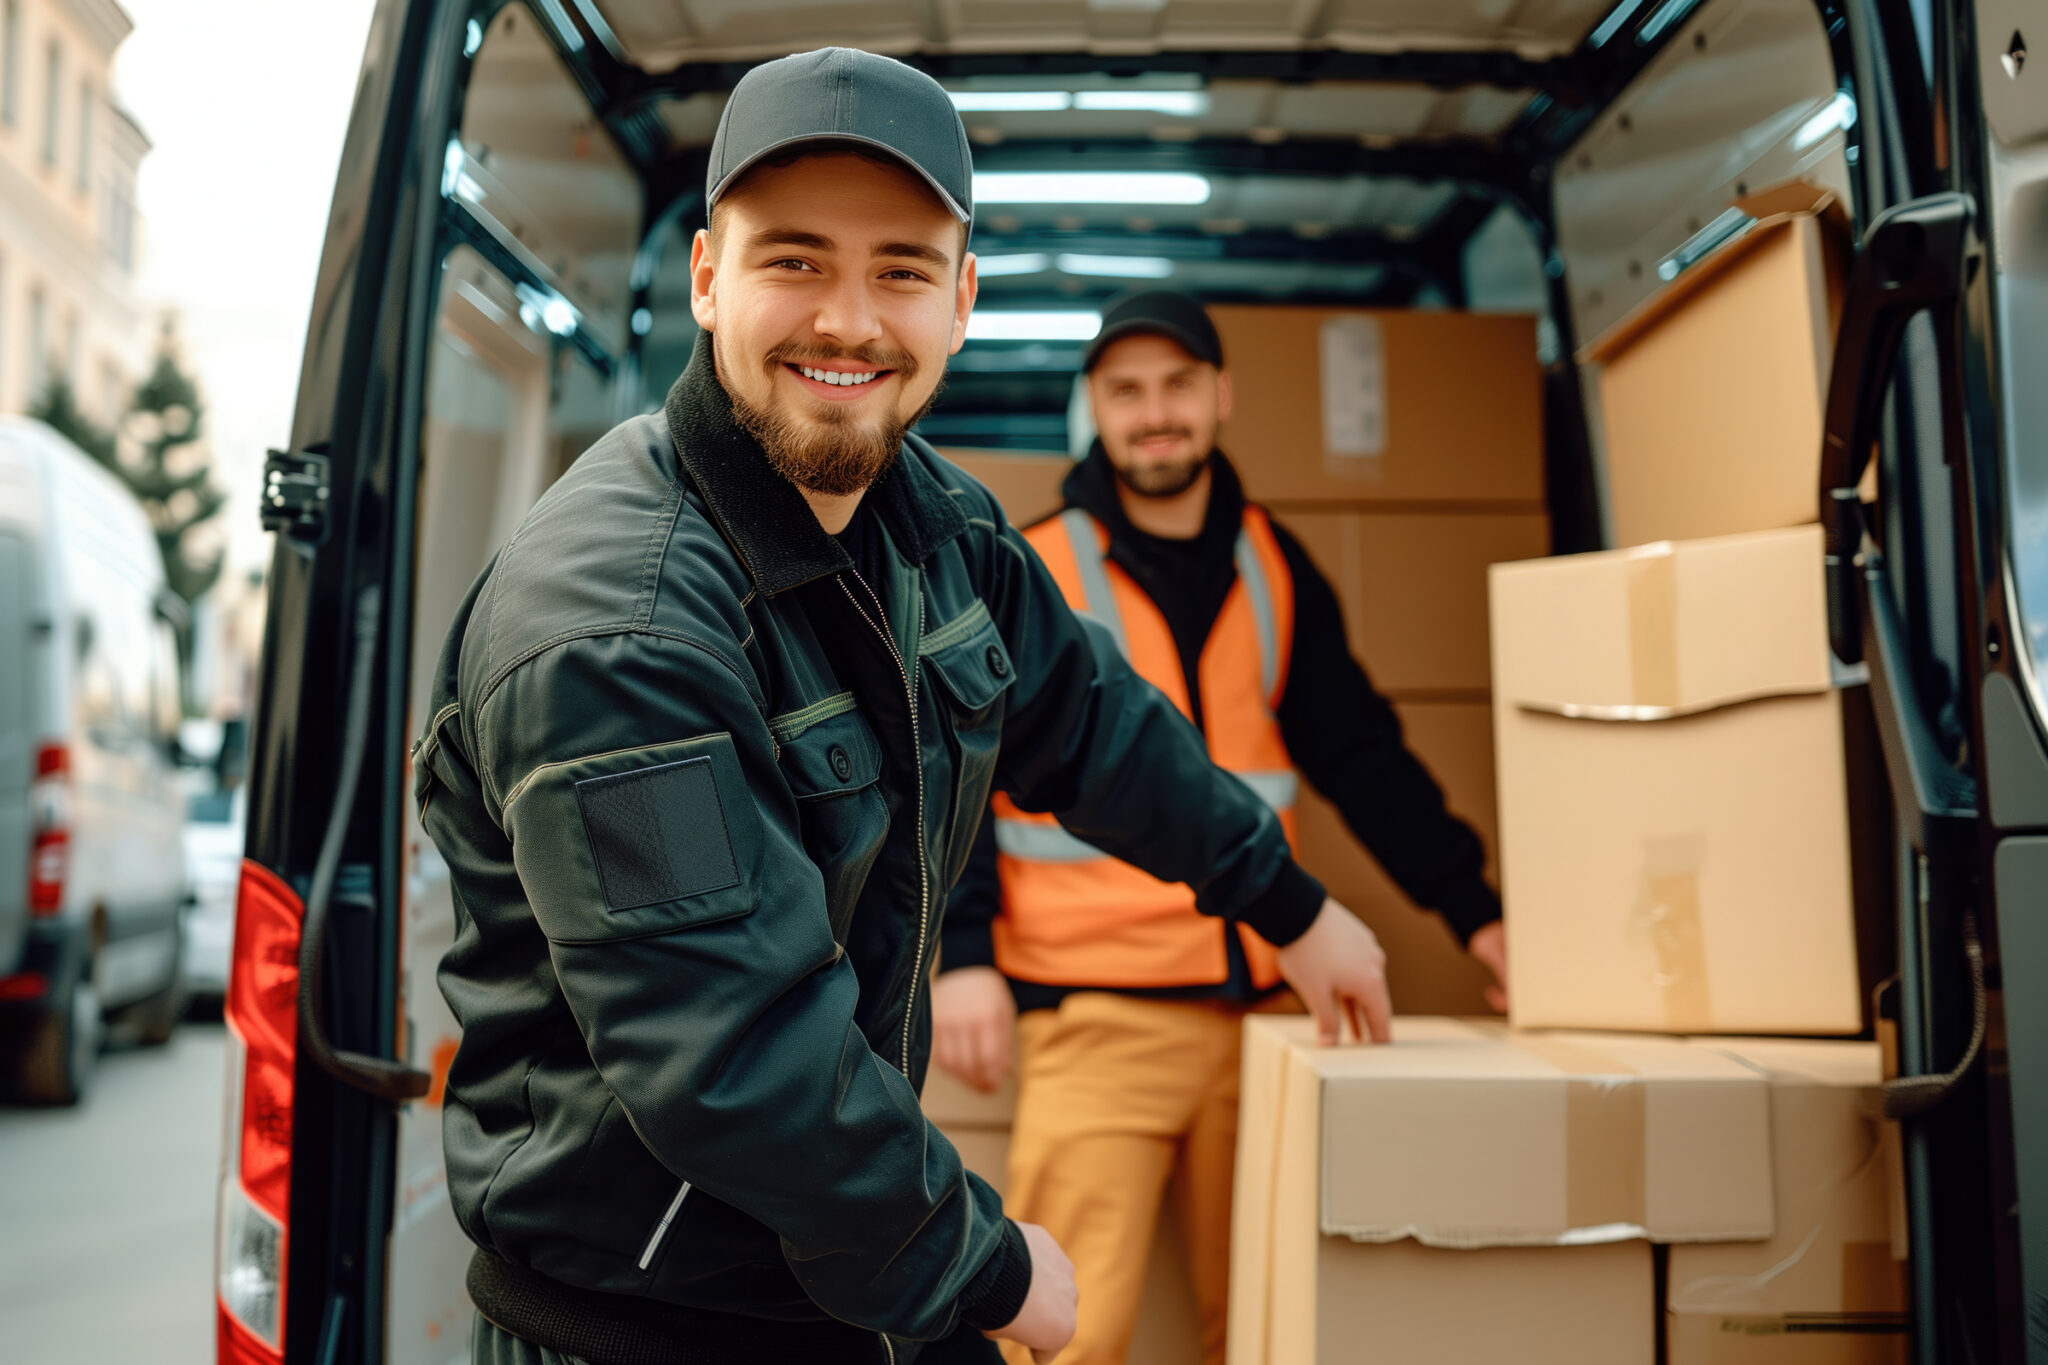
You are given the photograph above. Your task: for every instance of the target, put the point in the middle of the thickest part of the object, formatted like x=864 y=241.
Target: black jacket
x=700 y=840
x=1341 y=733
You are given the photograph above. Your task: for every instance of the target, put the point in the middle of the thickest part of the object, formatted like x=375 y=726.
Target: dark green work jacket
x=699 y=858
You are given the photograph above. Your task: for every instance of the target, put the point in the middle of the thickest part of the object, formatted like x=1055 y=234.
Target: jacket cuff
x=995 y=1296
x=966 y=943
x=1286 y=908
x=1471 y=910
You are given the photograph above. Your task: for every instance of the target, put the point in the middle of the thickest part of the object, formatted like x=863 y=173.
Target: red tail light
x=49 y=851
x=254 y=1232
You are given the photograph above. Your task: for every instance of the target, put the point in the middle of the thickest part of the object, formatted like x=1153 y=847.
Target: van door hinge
x=295 y=495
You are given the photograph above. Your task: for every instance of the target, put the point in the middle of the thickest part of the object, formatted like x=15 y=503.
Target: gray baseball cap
x=840 y=94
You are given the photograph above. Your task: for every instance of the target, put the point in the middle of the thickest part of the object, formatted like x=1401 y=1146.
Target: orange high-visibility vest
x=1073 y=915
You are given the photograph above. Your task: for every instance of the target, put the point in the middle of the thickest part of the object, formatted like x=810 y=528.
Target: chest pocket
x=971 y=669
x=833 y=765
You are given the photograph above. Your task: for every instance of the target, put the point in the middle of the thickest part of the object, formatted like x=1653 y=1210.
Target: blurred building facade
x=68 y=227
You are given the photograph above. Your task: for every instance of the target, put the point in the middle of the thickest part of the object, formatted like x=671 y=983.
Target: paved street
x=106 y=1213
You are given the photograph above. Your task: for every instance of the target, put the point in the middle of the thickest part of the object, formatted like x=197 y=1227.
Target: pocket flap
x=827 y=757
x=969 y=658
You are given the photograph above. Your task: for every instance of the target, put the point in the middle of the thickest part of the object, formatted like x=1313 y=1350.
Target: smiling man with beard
x=711 y=740
x=1132 y=1001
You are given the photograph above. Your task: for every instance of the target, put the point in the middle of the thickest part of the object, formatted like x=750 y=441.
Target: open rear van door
x=1940 y=587
x=473 y=330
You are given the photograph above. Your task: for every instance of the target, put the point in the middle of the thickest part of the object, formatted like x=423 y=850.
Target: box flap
x=1718 y=247
x=1466 y=1134
x=1662 y=630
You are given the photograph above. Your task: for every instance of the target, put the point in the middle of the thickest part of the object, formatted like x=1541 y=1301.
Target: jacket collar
x=763 y=516
x=1091 y=486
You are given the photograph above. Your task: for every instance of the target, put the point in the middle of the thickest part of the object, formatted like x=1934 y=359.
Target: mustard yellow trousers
x=1120 y=1100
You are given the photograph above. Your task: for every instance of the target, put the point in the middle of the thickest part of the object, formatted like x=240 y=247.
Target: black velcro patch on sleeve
x=658 y=834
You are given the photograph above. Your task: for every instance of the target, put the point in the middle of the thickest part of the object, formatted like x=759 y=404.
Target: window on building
x=53 y=103
x=118 y=232
x=38 y=343
x=87 y=97
x=10 y=61
x=74 y=338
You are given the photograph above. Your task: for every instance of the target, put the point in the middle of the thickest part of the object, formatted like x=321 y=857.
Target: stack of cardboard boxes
x=1673 y=841
x=1630 y=1171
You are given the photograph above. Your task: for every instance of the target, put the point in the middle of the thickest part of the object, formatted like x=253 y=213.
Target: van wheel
x=62 y=1048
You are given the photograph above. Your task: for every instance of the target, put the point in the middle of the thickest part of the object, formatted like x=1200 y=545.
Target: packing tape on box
x=1667 y=911
x=1653 y=629
x=1605 y=1144
x=1654 y=692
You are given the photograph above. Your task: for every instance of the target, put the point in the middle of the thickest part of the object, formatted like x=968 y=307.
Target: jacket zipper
x=661 y=1229
x=879 y=622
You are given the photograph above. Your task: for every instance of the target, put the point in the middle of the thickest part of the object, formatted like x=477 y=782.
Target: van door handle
x=1911 y=261
x=385 y=1078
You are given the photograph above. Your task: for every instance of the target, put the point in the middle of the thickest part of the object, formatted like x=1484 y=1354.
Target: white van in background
x=92 y=871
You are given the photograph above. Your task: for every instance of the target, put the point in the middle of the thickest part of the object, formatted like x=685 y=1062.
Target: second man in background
x=1131 y=1001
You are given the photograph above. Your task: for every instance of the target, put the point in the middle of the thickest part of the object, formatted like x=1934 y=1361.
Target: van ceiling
x=1356 y=152
x=658 y=34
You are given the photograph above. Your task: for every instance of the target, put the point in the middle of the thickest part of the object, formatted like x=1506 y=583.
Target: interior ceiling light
x=1090 y=187
x=1010 y=101
x=1839 y=112
x=1061 y=326
x=1116 y=267
x=1181 y=103
x=1612 y=24
x=1671 y=12
x=1017 y=263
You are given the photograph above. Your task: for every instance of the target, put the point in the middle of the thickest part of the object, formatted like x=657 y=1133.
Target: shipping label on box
x=1354 y=388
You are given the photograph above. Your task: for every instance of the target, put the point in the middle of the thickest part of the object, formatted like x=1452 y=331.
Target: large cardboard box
x=1169 y=1326
x=1028 y=486
x=1825 y=1289
x=1710 y=396
x=1428 y=971
x=1383 y=405
x=1674 y=833
x=1468 y=1193
x=1413 y=588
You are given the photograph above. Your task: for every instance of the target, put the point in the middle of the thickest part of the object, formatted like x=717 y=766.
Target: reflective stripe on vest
x=1101 y=601
x=1041 y=843
x=1073 y=915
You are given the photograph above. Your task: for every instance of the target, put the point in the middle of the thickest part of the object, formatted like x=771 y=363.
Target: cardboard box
x=1028 y=486
x=1383 y=405
x=1428 y=971
x=1169 y=1327
x=1674 y=832
x=1413 y=588
x=1711 y=394
x=1468 y=1193
x=1826 y=1289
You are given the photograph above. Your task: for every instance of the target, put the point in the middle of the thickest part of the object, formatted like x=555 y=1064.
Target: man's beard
x=1161 y=480
x=832 y=453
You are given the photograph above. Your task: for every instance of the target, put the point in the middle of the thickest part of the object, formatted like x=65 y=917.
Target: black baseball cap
x=841 y=94
x=1161 y=312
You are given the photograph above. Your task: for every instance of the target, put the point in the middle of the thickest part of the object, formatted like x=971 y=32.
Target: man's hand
x=974 y=1021
x=1046 y=1322
x=1490 y=945
x=1340 y=971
